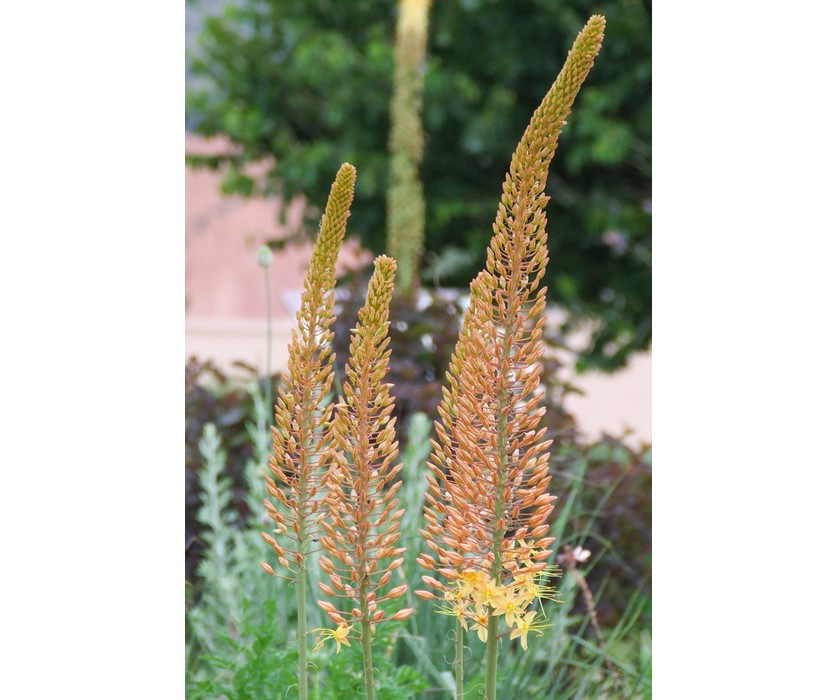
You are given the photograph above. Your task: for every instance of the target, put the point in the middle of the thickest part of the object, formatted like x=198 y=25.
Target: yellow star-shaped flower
x=522 y=626
x=495 y=594
x=481 y=624
x=472 y=579
x=511 y=606
x=340 y=635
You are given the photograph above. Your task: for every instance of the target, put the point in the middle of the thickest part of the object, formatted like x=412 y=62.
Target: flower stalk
x=459 y=675
x=302 y=442
x=487 y=500
x=362 y=526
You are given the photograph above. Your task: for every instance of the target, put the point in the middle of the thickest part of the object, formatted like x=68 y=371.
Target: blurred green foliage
x=305 y=85
x=212 y=396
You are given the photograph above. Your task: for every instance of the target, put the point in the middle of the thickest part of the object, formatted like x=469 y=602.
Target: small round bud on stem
x=265 y=256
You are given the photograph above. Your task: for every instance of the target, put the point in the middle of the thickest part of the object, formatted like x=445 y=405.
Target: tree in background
x=305 y=85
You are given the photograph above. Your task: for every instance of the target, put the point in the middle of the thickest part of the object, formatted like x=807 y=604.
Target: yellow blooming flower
x=482 y=589
x=457 y=608
x=496 y=594
x=470 y=580
x=340 y=635
x=481 y=624
x=476 y=597
x=522 y=626
x=529 y=583
x=510 y=607
x=528 y=587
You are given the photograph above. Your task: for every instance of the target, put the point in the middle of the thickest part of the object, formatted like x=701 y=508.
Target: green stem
x=302 y=631
x=366 y=640
x=302 y=583
x=492 y=658
x=500 y=504
x=497 y=549
x=458 y=662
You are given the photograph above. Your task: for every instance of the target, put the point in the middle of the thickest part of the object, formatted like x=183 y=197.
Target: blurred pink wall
x=223 y=235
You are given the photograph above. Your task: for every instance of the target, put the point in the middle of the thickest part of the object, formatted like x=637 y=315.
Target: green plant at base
x=214 y=396
x=345 y=677
x=241 y=621
x=220 y=601
x=249 y=665
x=226 y=621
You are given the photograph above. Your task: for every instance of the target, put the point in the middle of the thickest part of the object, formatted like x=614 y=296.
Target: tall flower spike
x=301 y=437
x=362 y=526
x=487 y=501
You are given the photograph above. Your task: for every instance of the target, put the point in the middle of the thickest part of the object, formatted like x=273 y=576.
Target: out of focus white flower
x=581 y=555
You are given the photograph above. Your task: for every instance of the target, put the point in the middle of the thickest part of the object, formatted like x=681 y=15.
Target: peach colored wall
x=223 y=235
x=615 y=402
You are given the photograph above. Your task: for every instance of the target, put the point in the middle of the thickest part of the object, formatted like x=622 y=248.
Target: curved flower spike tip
x=487 y=501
